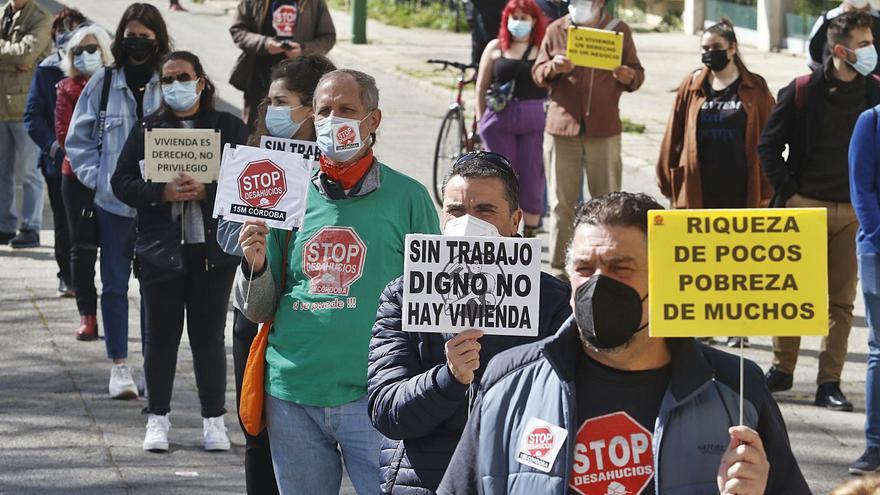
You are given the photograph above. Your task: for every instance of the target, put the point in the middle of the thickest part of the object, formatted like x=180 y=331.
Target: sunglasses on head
x=494 y=159
x=182 y=77
x=92 y=48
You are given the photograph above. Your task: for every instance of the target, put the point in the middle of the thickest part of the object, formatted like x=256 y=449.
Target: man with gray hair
x=334 y=269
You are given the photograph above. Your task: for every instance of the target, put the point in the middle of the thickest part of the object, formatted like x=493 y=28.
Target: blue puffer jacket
x=690 y=434
x=416 y=402
x=39 y=113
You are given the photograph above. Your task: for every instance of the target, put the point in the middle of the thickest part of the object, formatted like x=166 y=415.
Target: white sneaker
x=156 y=439
x=121 y=383
x=214 y=430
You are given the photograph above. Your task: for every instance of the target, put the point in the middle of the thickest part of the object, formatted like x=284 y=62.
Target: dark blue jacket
x=690 y=434
x=864 y=179
x=416 y=402
x=39 y=113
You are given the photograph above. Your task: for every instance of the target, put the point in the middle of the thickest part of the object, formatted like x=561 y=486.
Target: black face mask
x=608 y=312
x=139 y=49
x=716 y=59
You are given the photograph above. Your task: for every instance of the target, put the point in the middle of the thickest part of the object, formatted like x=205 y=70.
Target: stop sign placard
x=284 y=21
x=334 y=259
x=262 y=184
x=612 y=454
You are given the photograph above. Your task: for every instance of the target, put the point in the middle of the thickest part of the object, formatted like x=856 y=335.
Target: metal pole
x=359 y=22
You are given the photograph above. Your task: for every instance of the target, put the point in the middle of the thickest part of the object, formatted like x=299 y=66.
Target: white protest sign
x=307 y=149
x=452 y=284
x=263 y=184
x=168 y=152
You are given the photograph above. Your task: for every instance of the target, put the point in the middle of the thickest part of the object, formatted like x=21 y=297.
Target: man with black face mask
x=603 y=408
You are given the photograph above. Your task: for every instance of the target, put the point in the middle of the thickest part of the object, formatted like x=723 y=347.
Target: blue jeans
x=869 y=274
x=116 y=239
x=17 y=151
x=305 y=443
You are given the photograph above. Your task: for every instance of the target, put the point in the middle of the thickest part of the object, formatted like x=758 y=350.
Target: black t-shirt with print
x=721 y=148
x=616 y=412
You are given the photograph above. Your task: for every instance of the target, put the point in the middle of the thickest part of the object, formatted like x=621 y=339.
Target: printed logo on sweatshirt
x=613 y=455
x=334 y=259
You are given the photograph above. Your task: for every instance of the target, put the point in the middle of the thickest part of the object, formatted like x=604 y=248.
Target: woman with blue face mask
x=182 y=268
x=512 y=114
x=87 y=51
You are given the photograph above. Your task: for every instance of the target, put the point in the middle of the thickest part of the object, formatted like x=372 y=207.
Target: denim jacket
x=95 y=168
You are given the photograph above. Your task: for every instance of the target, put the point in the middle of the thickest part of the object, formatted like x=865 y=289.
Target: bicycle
x=454 y=140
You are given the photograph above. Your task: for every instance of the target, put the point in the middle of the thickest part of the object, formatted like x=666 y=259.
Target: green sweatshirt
x=339 y=263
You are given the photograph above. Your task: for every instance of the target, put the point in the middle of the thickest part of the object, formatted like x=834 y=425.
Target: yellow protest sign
x=595 y=48
x=756 y=272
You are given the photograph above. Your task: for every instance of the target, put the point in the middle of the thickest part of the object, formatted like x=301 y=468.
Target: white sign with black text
x=169 y=152
x=452 y=284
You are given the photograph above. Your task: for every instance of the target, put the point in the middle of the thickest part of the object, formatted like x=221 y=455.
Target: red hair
x=530 y=8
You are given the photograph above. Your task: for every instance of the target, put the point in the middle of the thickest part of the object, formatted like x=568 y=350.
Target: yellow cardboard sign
x=594 y=48
x=755 y=272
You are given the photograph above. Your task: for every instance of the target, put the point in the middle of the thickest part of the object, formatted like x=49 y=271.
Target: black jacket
x=416 y=402
x=156 y=231
x=796 y=127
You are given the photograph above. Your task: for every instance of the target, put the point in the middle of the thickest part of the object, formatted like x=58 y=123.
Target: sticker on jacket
x=540 y=444
x=613 y=455
x=284 y=20
x=333 y=259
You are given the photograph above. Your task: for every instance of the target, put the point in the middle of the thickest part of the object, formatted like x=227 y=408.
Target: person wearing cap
x=420 y=383
x=818 y=51
x=601 y=407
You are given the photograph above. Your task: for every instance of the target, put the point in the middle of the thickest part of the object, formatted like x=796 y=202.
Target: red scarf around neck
x=348 y=175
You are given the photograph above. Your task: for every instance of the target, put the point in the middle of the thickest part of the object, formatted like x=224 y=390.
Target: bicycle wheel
x=451 y=142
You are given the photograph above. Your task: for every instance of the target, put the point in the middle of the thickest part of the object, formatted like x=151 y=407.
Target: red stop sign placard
x=262 y=184
x=613 y=455
x=539 y=441
x=334 y=259
x=284 y=21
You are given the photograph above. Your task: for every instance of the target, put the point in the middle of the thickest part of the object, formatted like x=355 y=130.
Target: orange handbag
x=250 y=407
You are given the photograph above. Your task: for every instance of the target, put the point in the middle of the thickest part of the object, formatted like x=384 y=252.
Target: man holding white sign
x=602 y=408
x=420 y=383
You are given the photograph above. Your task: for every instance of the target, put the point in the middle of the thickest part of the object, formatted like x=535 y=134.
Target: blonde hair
x=869 y=485
x=104 y=42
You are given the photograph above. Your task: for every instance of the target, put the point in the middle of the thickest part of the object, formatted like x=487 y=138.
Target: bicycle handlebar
x=449 y=63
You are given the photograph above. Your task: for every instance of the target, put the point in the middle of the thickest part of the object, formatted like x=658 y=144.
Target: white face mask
x=581 y=11
x=338 y=138
x=468 y=226
x=87 y=63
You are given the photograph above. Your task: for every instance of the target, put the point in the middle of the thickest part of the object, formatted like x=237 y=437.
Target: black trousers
x=82 y=260
x=59 y=219
x=258 y=471
x=204 y=297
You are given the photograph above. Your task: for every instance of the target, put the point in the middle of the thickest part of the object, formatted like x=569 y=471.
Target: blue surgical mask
x=866 y=59
x=87 y=63
x=518 y=28
x=278 y=121
x=339 y=139
x=181 y=96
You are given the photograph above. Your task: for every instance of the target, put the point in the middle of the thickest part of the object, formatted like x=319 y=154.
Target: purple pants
x=517 y=133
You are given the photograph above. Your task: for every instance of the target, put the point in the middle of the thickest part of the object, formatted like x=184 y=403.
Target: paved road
x=60 y=434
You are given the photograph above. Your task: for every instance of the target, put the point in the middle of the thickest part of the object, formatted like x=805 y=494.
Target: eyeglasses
x=493 y=159
x=182 y=77
x=85 y=48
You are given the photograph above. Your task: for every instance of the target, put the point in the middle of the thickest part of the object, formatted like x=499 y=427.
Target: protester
x=583 y=120
x=709 y=155
x=39 y=119
x=267 y=32
x=420 y=383
x=864 y=163
x=814 y=118
x=132 y=92
x=88 y=51
x=316 y=362
x=182 y=267
x=818 y=51
x=606 y=383
x=25 y=38
x=553 y=9
x=516 y=129
x=484 y=20
x=174 y=6
x=288 y=112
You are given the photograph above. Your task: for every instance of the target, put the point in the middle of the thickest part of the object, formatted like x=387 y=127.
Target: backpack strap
x=800 y=92
x=102 y=110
